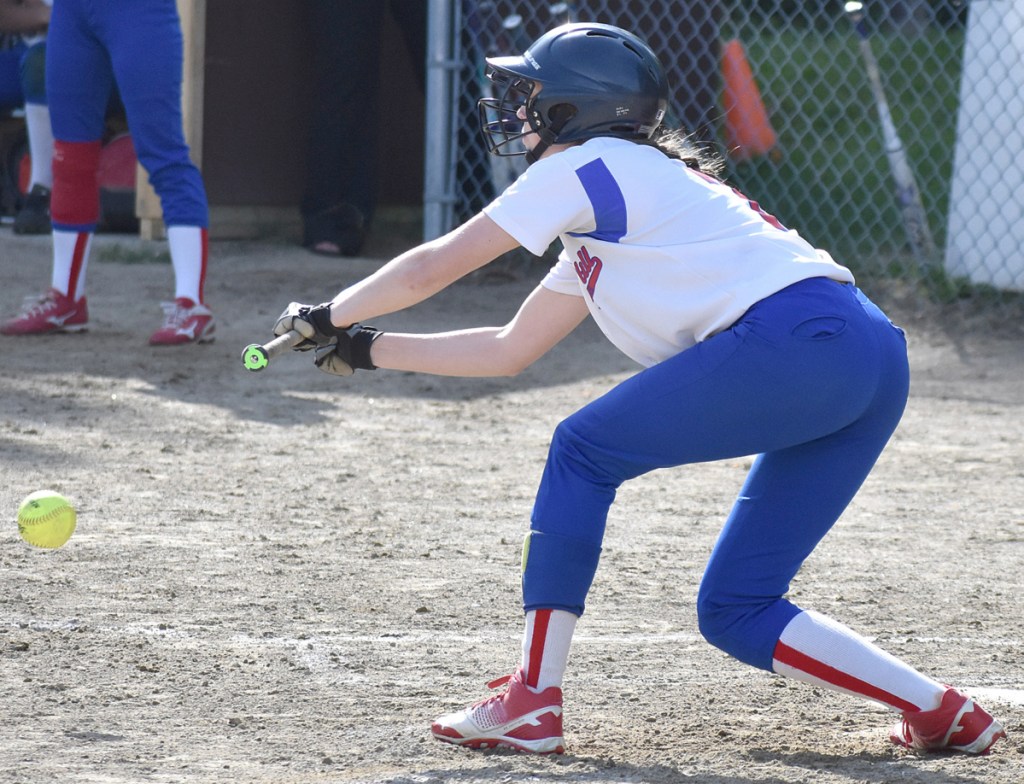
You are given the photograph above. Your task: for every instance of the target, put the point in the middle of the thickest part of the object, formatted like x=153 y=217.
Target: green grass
x=132 y=254
x=832 y=182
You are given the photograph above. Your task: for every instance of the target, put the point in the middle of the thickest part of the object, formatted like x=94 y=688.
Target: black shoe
x=34 y=216
x=337 y=231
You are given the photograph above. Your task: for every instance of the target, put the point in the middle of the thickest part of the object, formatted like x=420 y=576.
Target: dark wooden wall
x=257 y=95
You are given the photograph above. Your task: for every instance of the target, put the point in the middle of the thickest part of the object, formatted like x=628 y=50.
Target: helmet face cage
x=499 y=118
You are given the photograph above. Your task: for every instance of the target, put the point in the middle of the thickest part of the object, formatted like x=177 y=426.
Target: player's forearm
x=543 y=320
x=472 y=353
x=422 y=272
x=402 y=283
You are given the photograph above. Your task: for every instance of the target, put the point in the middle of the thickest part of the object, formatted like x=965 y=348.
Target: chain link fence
x=784 y=91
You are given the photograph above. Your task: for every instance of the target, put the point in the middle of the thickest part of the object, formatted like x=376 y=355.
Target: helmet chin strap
x=532 y=156
x=546 y=137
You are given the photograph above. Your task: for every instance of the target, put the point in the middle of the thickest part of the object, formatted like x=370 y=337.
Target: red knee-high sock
x=75 y=199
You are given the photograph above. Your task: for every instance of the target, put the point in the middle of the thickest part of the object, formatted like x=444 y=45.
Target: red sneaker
x=516 y=719
x=184 y=322
x=51 y=312
x=958 y=724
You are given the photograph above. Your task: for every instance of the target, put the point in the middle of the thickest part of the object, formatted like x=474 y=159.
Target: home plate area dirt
x=285 y=576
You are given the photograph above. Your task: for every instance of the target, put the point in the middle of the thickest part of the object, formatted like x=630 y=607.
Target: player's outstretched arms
x=544 y=319
x=421 y=272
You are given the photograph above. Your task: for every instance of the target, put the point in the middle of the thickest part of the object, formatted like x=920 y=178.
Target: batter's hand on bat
x=350 y=352
x=313 y=322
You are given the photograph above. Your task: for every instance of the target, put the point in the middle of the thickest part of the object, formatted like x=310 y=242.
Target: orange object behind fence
x=748 y=131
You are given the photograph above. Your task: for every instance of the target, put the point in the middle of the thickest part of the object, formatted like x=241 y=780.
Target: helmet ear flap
x=559 y=115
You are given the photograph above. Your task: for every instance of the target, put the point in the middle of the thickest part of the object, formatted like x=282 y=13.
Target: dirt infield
x=284 y=576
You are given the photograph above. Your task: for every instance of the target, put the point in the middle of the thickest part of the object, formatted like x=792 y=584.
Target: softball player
x=752 y=342
x=137 y=43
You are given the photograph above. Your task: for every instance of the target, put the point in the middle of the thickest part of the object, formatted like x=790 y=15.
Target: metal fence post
x=438 y=158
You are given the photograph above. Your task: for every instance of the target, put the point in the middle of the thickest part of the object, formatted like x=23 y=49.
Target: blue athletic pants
x=22 y=77
x=137 y=43
x=813 y=380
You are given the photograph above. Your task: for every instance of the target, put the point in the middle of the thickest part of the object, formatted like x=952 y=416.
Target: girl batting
x=752 y=342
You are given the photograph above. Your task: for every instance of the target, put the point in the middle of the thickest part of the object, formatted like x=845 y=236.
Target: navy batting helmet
x=593 y=80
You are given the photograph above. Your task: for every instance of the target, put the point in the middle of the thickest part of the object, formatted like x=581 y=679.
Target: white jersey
x=664 y=256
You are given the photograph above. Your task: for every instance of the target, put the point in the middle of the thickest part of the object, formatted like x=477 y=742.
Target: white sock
x=546 y=643
x=70 y=258
x=40 y=143
x=815 y=649
x=188 y=256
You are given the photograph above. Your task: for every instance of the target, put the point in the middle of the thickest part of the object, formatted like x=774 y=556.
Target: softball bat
x=256 y=357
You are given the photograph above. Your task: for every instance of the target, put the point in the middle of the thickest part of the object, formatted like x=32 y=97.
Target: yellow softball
x=46 y=519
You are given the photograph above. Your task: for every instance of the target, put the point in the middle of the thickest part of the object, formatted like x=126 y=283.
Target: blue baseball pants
x=813 y=380
x=137 y=43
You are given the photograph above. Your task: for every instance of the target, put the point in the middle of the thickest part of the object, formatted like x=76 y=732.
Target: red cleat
x=958 y=724
x=516 y=719
x=51 y=312
x=184 y=322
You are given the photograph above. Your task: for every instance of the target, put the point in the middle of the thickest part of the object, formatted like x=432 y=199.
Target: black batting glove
x=313 y=322
x=350 y=352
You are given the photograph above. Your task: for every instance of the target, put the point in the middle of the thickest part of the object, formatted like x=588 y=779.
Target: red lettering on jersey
x=588 y=268
x=765 y=215
x=771 y=219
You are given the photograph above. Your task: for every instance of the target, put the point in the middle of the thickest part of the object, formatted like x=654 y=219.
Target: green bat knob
x=254 y=357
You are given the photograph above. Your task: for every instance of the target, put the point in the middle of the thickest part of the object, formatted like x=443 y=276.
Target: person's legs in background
x=34 y=215
x=142 y=43
x=340 y=193
x=11 y=93
x=146 y=52
x=78 y=83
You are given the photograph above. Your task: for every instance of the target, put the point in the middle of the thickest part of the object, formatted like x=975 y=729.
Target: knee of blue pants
x=745 y=628
x=33 y=74
x=570 y=446
x=578 y=486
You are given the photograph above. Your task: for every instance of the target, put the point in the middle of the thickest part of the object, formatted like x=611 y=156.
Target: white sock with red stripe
x=188 y=246
x=546 y=647
x=815 y=649
x=70 y=258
